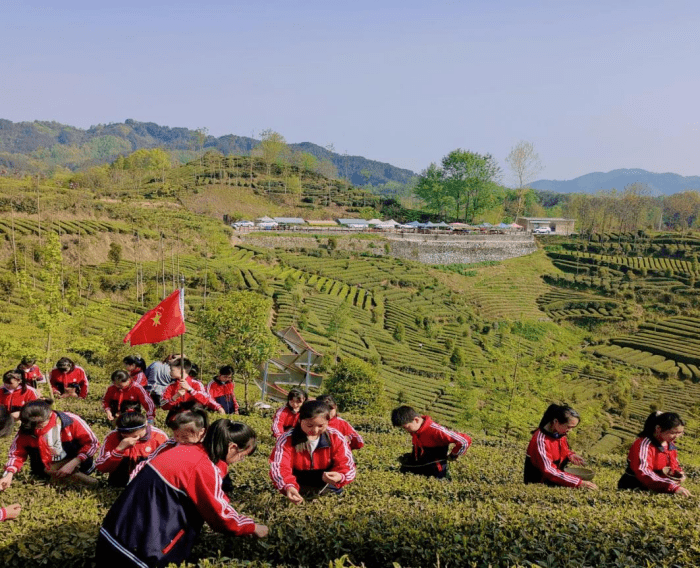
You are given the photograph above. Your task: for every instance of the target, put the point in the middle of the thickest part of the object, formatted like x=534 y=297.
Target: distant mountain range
x=659 y=184
x=27 y=146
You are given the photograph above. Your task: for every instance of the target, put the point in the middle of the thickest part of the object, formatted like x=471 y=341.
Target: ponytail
x=664 y=420
x=559 y=412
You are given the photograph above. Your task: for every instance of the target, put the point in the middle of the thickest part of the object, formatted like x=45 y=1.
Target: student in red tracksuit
x=431 y=443
x=652 y=452
x=58 y=444
x=68 y=379
x=123 y=388
x=311 y=456
x=132 y=442
x=548 y=452
x=343 y=426
x=288 y=416
x=183 y=392
x=221 y=390
x=157 y=518
x=6 y=424
x=31 y=372
x=15 y=393
x=137 y=369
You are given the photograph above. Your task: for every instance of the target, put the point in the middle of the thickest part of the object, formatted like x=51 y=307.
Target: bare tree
x=525 y=164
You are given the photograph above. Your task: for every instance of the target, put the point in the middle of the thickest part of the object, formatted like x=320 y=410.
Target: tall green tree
x=470 y=179
x=236 y=324
x=432 y=190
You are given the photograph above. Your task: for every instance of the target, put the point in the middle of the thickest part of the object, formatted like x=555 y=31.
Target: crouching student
x=15 y=393
x=431 y=443
x=343 y=426
x=652 y=463
x=58 y=444
x=125 y=389
x=157 y=518
x=136 y=367
x=221 y=390
x=6 y=423
x=288 y=416
x=185 y=391
x=132 y=442
x=311 y=457
x=68 y=379
x=548 y=452
x=31 y=372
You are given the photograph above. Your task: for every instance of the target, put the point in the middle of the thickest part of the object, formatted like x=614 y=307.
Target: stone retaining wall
x=428 y=249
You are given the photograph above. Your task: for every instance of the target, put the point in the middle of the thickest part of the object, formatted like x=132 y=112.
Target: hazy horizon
x=596 y=87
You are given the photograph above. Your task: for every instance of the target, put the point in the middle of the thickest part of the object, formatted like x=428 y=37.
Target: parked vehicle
x=542 y=231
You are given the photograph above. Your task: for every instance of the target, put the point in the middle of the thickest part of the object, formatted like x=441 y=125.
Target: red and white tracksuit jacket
x=180 y=488
x=199 y=395
x=76 y=437
x=114 y=397
x=431 y=439
x=344 y=427
x=546 y=458
x=285 y=419
x=291 y=463
x=645 y=462
x=33 y=375
x=110 y=459
x=139 y=378
x=222 y=393
x=60 y=380
x=15 y=399
x=3 y=514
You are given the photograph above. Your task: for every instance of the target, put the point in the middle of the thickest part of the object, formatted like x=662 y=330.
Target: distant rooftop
x=289 y=220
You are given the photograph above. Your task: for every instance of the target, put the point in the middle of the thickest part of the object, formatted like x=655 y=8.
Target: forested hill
x=36 y=146
x=658 y=184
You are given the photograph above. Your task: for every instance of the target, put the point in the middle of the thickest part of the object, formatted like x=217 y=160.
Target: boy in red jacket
x=124 y=388
x=431 y=443
x=184 y=391
x=221 y=388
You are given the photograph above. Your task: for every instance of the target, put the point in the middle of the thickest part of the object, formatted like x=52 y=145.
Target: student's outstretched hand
x=221 y=411
x=588 y=485
x=5 y=482
x=332 y=477
x=13 y=511
x=68 y=469
x=576 y=459
x=260 y=531
x=683 y=492
x=294 y=496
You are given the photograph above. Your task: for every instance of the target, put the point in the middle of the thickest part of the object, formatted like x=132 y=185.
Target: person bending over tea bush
x=548 y=452
x=15 y=393
x=158 y=517
x=343 y=426
x=58 y=445
x=431 y=443
x=652 y=463
x=68 y=379
x=288 y=416
x=311 y=458
x=6 y=424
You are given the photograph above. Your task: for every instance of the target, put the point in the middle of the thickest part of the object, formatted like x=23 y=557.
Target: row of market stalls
x=268 y=223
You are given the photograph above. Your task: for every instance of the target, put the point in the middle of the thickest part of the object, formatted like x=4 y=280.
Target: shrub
x=356 y=386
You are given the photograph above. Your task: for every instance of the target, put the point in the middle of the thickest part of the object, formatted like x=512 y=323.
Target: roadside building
x=558 y=226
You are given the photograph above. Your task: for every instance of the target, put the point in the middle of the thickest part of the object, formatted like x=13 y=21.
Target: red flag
x=164 y=321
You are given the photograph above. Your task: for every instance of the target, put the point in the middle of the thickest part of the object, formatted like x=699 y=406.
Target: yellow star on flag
x=156 y=319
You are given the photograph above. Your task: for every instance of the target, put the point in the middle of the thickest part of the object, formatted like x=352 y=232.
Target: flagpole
x=182 y=337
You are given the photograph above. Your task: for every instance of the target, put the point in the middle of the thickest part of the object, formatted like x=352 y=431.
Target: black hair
x=559 y=412
x=65 y=364
x=226 y=370
x=329 y=400
x=403 y=415
x=135 y=360
x=296 y=393
x=194 y=371
x=28 y=360
x=664 y=420
x=129 y=406
x=14 y=374
x=314 y=408
x=34 y=413
x=130 y=421
x=6 y=422
x=121 y=376
x=176 y=363
x=196 y=415
x=222 y=433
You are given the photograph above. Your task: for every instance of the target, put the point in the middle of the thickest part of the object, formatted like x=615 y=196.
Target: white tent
x=374 y=222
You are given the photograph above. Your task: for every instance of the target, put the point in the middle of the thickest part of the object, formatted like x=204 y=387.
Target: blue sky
x=594 y=85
